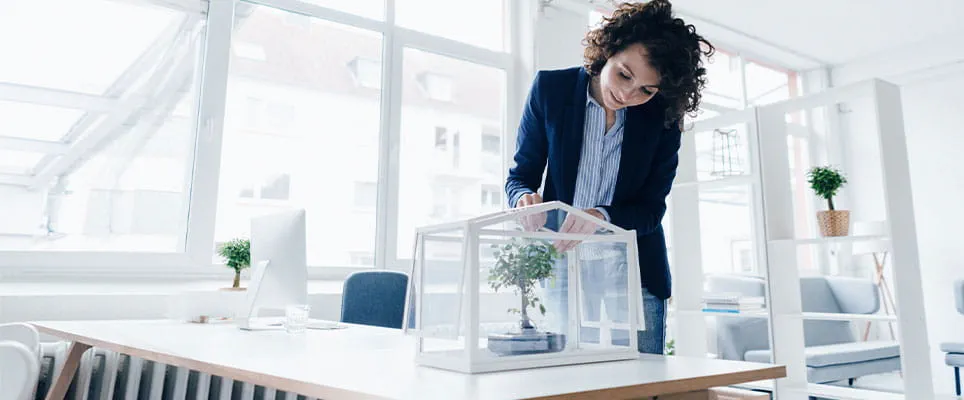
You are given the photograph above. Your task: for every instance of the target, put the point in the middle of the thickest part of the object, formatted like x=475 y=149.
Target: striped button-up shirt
x=599 y=160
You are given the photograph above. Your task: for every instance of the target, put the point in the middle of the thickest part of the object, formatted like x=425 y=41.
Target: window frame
x=195 y=260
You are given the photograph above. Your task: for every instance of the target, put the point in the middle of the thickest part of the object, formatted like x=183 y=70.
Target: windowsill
x=20 y=289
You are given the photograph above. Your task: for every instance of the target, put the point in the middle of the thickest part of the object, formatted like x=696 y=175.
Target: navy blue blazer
x=551 y=132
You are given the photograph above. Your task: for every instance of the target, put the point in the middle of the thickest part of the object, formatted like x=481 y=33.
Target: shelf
x=848 y=317
x=824 y=240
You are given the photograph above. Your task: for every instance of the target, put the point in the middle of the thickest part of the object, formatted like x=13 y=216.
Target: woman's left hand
x=578 y=225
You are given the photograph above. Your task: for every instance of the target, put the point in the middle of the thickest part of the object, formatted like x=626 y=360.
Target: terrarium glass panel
x=436 y=286
x=530 y=299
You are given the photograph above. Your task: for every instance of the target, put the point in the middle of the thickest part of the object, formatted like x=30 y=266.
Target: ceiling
x=808 y=34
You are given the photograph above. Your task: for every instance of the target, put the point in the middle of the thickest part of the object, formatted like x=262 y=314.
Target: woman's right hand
x=532 y=222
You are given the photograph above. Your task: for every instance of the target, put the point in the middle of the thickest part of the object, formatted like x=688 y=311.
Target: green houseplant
x=520 y=265
x=825 y=182
x=237 y=256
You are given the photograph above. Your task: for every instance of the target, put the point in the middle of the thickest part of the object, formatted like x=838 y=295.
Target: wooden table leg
x=59 y=389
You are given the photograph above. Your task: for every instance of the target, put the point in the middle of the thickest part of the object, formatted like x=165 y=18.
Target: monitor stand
x=248 y=319
x=252 y=322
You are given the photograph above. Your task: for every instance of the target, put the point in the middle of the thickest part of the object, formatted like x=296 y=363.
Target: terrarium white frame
x=468 y=357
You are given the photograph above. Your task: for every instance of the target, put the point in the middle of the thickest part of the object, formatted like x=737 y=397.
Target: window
x=436 y=87
x=274 y=187
x=441 y=138
x=366 y=194
x=367 y=72
x=88 y=164
x=268 y=115
x=99 y=142
x=491 y=197
x=361 y=258
x=431 y=184
x=483 y=26
x=313 y=144
x=723 y=86
x=766 y=85
x=250 y=51
x=491 y=142
x=374 y=9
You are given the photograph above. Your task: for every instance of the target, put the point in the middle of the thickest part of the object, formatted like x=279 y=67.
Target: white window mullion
x=452 y=48
x=390 y=144
x=210 y=131
x=327 y=14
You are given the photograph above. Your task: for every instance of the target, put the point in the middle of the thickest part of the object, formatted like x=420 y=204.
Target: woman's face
x=627 y=79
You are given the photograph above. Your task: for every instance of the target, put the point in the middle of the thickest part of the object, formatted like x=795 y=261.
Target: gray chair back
x=816 y=295
x=375 y=298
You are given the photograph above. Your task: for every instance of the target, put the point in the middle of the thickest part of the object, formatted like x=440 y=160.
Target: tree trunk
x=237 y=279
x=830 y=203
x=525 y=323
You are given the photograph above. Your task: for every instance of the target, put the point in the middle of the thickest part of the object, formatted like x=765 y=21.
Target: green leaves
x=236 y=253
x=521 y=264
x=825 y=181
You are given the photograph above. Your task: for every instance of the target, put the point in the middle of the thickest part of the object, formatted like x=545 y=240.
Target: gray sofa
x=832 y=350
x=955 y=350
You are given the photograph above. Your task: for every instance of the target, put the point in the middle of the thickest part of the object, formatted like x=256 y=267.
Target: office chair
x=375 y=298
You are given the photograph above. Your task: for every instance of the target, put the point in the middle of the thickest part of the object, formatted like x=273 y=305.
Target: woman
x=610 y=132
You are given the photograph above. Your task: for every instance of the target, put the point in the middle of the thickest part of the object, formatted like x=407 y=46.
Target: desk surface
x=367 y=362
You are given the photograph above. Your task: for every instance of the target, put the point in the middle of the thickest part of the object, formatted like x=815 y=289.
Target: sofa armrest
x=959 y=295
x=855 y=295
x=736 y=336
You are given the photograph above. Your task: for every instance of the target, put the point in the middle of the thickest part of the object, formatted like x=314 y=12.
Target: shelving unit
x=777 y=243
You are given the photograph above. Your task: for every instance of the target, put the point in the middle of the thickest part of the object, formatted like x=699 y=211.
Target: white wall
x=931 y=77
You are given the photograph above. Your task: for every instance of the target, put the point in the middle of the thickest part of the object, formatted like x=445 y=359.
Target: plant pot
x=834 y=223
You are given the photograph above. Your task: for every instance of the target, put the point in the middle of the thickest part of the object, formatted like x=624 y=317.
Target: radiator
x=106 y=375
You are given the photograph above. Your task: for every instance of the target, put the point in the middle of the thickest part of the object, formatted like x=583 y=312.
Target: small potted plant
x=237 y=256
x=520 y=265
x=825 y=182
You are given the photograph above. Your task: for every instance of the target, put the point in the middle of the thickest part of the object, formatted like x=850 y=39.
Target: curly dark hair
x=675 y=50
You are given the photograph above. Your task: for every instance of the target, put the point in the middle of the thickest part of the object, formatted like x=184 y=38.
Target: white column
x=899 y=204
x=687 y=255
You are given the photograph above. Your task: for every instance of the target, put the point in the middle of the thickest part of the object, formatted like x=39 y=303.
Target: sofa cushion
x=837 y=354
x=952 y=347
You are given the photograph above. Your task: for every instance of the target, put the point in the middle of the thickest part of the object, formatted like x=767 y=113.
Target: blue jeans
x=597 y=276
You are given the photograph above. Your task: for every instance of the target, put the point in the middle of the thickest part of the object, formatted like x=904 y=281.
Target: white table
x=362 y=362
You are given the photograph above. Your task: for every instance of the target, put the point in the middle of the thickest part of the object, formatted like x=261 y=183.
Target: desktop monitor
x=279 y=268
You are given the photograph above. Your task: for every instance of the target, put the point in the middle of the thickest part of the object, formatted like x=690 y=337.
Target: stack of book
x=731 y=303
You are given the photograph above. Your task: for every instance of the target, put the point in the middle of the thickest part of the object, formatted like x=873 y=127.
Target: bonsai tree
x=520 y=265
x=825 y=181
x=237 y=256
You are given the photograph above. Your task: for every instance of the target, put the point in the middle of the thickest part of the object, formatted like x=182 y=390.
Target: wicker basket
x=834 y=223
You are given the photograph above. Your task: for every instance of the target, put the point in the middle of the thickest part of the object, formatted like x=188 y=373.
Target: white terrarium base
x=455 y=360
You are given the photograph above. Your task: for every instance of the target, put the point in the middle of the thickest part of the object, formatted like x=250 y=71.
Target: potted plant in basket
x=237 y=256
x=825 y=182
x=520 y=265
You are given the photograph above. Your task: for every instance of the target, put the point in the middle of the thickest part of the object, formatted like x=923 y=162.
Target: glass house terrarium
x=520 y=289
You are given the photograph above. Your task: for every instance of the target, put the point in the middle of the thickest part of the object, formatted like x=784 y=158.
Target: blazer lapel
x=640 y=136
x=574 y=126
